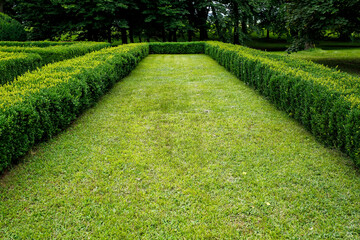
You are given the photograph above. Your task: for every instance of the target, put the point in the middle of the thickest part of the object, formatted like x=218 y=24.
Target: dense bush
x=177 y=48
x=10 y=29
x=15 y=64
x=33 y=44
x=325 y=101
x=58 y=52
x=39 y=104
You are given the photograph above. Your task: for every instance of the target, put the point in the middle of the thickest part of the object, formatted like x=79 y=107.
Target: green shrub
x=10 y=29
x=39 y=104
x=58 y=52
x=15 y=64
x=177 y=48
x=325 y=101
x=33 y=44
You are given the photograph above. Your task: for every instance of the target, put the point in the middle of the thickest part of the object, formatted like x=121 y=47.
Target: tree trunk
x=140 y=40
x=191 y=19
x=131 y=34
x=309 y=45
x=217 y=24
x=174 y=36
x=236 y=22
x=124 y=36
x=203 y=33
x=90 y=34
x=268 y=34
x=244 y=27
x=163 y=34
x=190 y=34
x=345 y=37
x=108 y=32
x=2 y=6
x=203 y=14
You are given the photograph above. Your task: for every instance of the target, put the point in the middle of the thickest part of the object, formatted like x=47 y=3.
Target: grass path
x=181 y=149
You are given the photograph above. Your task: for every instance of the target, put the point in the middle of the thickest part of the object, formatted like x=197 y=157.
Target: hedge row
x=15 y=64
x=33 y=44
x=39 y=104
x=58 y=52
x=177 y=48
x=325 y=101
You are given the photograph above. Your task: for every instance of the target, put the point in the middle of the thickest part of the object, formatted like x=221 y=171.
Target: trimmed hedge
x=57 y=53
x=39 y=104
x=177 y=48
x=15 y=64
x=33 y=44
x=325 y=101
x=10 y=29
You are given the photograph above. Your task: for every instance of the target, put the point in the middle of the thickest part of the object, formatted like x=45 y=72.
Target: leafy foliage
x=177 y=48
x=309 y=19
x=15 y=64
x=10 y=29
x=56 y=52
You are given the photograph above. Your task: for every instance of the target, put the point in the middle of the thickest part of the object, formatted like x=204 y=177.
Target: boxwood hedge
x=39 y=104
x=15 y=64
x=177 y=48
x=33 y=43
x=57 y=52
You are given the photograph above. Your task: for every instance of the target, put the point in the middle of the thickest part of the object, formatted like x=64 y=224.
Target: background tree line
x=304 y=21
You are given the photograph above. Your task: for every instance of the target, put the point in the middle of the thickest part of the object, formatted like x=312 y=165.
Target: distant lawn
x=274 y=44
x=181 y=149
x=347 y=60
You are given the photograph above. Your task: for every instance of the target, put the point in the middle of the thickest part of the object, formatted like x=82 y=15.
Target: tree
x=2 y=2
x=167 y=17
x=43 y=17
x=309 y=20
x=271 y=16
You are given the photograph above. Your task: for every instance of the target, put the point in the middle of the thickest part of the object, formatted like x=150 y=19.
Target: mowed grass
x=181 y=149
x=346 y=60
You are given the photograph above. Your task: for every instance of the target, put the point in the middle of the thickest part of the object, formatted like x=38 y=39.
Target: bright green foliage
x=15 y=64
x=10 y=29
x=177 y=48
x=33 y=44
x=325 y=101
x=57 y=52
x=39 y=104
x=181 y=149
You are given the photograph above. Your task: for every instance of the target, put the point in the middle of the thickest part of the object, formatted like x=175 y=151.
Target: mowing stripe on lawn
x=181 y=149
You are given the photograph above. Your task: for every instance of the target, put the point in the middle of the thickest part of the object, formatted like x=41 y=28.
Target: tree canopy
x=305 y=21
x=10 y=29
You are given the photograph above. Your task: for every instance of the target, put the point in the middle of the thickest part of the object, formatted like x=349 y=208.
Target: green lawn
x=347 y=60
x=181 y=149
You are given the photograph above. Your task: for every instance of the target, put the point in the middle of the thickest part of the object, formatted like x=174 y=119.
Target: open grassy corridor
x=181 y=149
